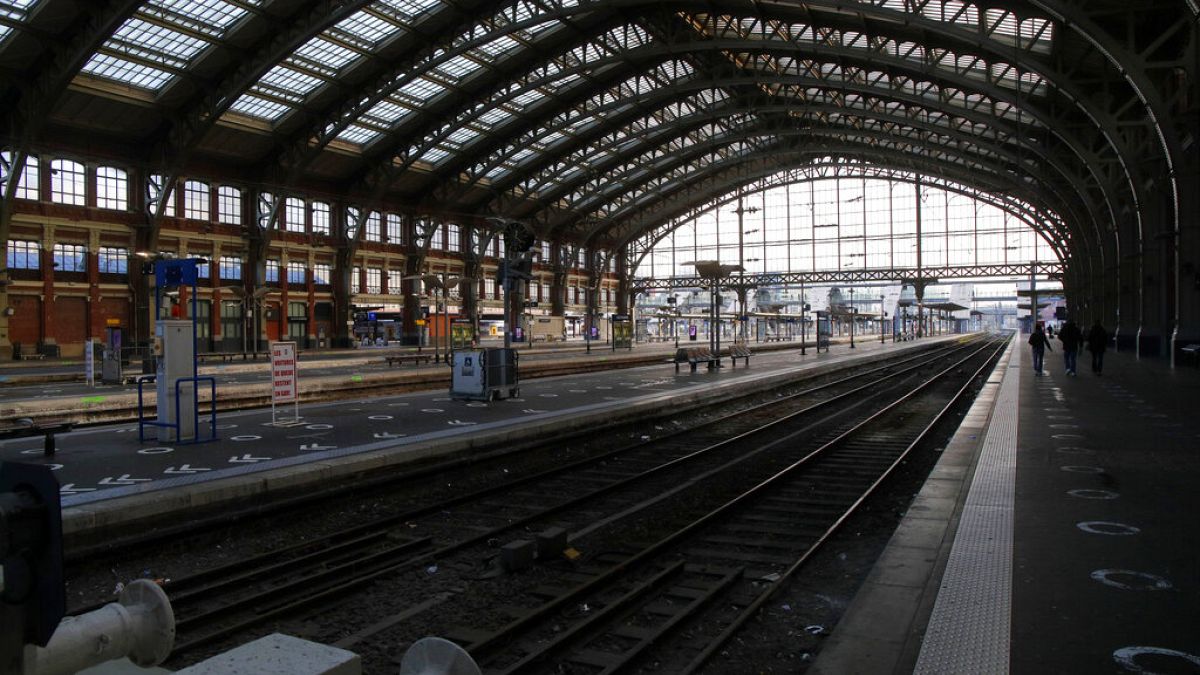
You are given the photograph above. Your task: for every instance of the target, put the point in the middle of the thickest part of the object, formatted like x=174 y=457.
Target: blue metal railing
x=143 y=422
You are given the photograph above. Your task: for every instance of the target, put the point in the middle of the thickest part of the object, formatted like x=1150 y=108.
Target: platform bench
x=694 y=356
x=32 y=357
x=404 y=358
x=22 y=427
x=739 y=352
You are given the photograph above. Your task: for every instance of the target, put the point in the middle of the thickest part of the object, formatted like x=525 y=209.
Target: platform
x=110 y=480
x=1057 y=534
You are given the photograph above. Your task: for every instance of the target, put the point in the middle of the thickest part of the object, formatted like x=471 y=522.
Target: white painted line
x=1135 y=581
x=1126 y=657
x=1093 y=494
x=1107 y=528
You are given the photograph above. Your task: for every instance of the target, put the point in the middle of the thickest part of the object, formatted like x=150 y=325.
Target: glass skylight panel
x=367 y=27
x=434 y=155
x=500 y=45
x=457 y=67
x=420 y=90
x=133 y=74
x=255 y=106
x=462 y=135
x=16 y=10
x=163 y=32
x=387 y=111
x=411 y=9
x=357 y=134
x=491 y=117
x=212 y=17
x=328 y=57
x=290 y=83
x=155 y=43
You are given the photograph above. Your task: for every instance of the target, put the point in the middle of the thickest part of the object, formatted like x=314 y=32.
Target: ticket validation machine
x=175 y=352
x=110 y=367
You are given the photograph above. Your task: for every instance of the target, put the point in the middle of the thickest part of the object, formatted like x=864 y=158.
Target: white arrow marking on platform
x=460 y=423
x=531 y=411
x=317 y=446
x=432 y=410
x=70 y=489
x=54 y=467
x=124 y=479
x=318 y=427
x=245 y=437
x=186 y=468
x=246 y=459
x=384 y=434
x=155 y=451
x=379 y=417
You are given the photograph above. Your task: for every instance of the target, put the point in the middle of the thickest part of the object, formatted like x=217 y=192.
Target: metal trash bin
x=484 y=375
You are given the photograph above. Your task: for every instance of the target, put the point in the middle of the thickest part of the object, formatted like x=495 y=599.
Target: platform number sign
x=284 y=384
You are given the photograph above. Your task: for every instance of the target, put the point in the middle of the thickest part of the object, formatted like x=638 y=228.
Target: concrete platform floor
x=1057 y=535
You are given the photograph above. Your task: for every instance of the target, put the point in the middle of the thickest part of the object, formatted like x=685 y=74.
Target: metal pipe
x=140 y=625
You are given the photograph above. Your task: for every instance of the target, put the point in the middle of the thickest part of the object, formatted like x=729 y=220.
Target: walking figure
x=1039 y=343
x=1071 y=337
x=1097 y=341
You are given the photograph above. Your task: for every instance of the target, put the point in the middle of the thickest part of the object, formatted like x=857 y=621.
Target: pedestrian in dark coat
x=1097 y=342
x=1039 y=343
x=1071 y=337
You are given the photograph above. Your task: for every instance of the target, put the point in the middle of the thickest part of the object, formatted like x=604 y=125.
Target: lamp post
x=882 y=321
x=803 y=319
x=852 y=312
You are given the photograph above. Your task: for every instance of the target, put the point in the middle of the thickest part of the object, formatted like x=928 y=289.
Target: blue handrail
x=143 y=422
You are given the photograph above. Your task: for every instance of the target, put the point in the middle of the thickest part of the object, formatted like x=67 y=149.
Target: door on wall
x=271 y=321
x=70 y=324
x=25 y=325
x=298 y=322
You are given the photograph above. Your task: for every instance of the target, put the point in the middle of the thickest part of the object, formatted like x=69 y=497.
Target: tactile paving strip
x=969 y=629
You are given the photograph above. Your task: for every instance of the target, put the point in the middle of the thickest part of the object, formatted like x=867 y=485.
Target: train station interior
x=568 y=336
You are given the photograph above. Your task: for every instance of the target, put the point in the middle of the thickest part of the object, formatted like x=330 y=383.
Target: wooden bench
x=404 y=358
x=31 y=357
x=694 y=356
x=24 y=426
x=739 y=352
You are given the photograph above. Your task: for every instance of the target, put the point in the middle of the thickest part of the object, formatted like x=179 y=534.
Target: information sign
x=283 y=372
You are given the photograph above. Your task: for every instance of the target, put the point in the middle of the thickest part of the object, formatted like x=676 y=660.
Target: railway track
x=239 y=596
x=723 y=565
x=247 y=593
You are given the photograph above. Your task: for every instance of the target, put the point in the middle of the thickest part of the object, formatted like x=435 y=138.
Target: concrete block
x=517 y=555
x=551 y=542
x=279 y=654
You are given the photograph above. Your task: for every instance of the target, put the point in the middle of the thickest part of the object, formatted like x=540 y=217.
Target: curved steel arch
x=682 y=126
x=962 y=83
x=666 y=97
x=686 y=159
x=731 y=176
x=1018 y=210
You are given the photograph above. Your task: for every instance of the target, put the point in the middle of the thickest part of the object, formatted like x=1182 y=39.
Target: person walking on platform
x=1097 y=342
x=1071 y=337
x=1040 y=344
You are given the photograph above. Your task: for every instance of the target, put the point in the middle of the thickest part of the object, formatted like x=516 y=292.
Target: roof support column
x=1156 y=294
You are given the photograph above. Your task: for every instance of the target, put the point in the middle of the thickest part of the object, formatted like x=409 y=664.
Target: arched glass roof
x=593 y=121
